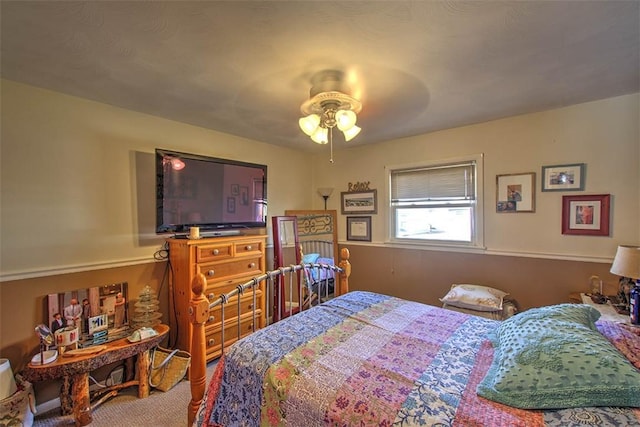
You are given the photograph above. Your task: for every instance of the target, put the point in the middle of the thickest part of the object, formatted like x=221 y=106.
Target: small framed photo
x=235 y=189
x=586 y=215
x=244 y=195
x=231 y=205
x=563 y=177
x=359 y=202
x=359 y=228
x=516 y=193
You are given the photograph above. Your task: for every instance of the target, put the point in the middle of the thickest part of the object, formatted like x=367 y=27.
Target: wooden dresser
x=226 y=262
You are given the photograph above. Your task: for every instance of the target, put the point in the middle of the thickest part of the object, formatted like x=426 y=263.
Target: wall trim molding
x=485 y=251
x=138 y=261
x=69 y=269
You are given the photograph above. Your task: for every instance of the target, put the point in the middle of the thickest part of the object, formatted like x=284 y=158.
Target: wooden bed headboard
x=200 y=308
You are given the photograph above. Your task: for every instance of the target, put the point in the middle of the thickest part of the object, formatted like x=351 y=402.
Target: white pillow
x=475 y=297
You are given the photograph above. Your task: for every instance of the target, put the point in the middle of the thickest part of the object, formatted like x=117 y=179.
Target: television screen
x=208 y=192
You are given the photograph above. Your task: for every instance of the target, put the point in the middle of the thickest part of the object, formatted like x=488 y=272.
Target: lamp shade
x=309 y=124
x=345 y=119
x=320 y=136
x=627 y=262
x=351 y=133
x=325 y=191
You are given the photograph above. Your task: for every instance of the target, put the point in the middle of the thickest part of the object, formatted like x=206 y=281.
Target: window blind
x=441 y=183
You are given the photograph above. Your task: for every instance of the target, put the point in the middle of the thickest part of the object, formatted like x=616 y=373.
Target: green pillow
x=554 y=357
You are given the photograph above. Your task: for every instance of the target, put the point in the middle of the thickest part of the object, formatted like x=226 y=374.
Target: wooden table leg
x=142 y=365
x=66 y=401
x=81 y=400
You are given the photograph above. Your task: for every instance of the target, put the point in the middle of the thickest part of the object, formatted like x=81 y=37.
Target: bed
x=317 y=279
x=363 y=358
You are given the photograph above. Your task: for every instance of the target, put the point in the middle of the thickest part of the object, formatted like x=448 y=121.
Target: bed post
x=345 y=265
x=198 y=314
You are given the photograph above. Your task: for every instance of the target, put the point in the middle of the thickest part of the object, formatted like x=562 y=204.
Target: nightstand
x=606 y=310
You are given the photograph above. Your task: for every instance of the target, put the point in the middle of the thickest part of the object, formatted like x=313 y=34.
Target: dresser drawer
x=208 y=253
x=213 y=338
x=249 y=266
x=231 y=308
x=249 y=247
x=214 y=290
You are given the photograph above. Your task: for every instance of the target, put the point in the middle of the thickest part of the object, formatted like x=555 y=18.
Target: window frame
x=477 y=208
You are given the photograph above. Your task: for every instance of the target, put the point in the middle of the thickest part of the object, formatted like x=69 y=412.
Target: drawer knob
x=211 y=318
x=211 y=296
x=210 y=273
x=215 y=251
x=249 y=247
x=211 y=342
x=250 y=307
x=252 y=265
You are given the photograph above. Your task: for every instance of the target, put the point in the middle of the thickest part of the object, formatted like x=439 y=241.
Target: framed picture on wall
x=359 y=228
x=359 y=202
x=586 y=215
x=563 y=177
x=516 y=193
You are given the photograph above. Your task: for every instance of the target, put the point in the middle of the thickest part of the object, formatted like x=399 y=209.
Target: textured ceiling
x=244 y=67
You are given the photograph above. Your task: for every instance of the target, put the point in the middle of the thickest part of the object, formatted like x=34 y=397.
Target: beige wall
x=77 y=199
x=426 y=276
x=77 y=205
x=605 y=135
x=78 y=179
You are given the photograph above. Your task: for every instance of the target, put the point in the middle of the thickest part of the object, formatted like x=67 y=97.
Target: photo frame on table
x=359 y=228
x=359 y=202
x=586 y=215
x=563 y=177
x=516 y=193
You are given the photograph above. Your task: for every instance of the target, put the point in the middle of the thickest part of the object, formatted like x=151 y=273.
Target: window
x=437 y=203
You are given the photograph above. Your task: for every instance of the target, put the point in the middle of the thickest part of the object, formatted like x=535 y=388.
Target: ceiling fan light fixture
x=309 y=124
x=345 y=119
x=320 y=136
x=351 y=133
x=329 y=105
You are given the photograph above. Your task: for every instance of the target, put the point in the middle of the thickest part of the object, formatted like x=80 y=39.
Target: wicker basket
x=168 y=367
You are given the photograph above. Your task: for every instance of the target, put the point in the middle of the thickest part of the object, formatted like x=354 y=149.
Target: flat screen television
x=207 y=192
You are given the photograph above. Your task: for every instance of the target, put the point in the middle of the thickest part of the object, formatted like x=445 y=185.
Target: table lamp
x=626 y=264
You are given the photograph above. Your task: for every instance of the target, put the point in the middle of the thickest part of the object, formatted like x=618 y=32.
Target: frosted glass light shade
x=320 y=136
x=349 y=134
x=309 y=124
x=345 y=119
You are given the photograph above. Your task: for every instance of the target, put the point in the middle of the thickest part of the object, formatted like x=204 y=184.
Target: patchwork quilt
x=374 y=360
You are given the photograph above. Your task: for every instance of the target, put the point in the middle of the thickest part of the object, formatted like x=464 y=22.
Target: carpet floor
x=163 y=409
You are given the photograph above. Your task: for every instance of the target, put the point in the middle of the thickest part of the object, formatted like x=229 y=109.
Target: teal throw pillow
x=554 y=357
